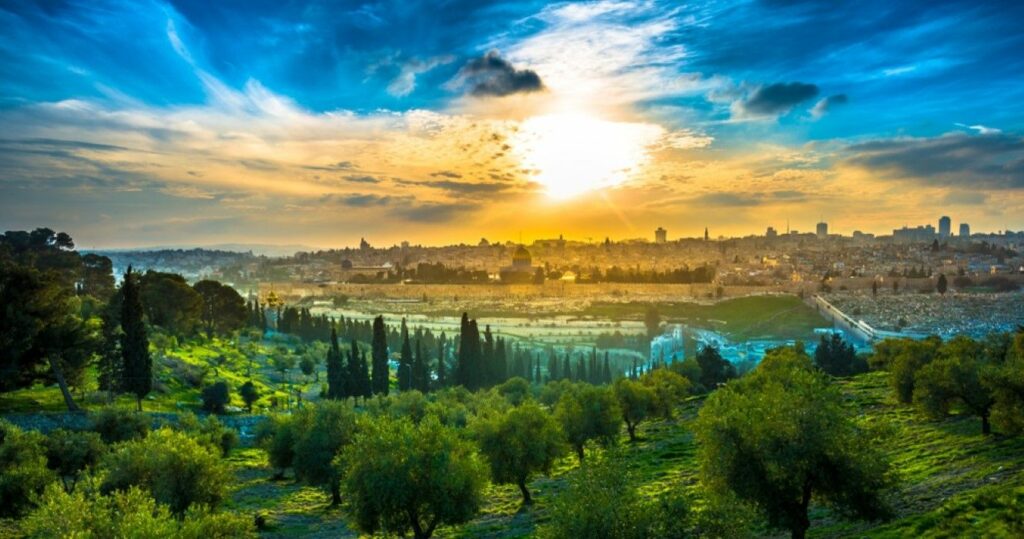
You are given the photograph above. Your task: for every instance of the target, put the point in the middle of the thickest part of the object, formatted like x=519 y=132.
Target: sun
x=574 y=153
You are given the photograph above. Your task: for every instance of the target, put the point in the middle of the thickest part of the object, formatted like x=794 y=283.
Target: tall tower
x=822 y=230
x=965 y=230
x=705 y=233
x=945 y=226
x=660 y=235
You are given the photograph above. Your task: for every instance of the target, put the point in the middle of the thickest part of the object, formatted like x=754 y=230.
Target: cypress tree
x=442 y=372
x=335 y=370
x=354 y=386
x=379 y=344
x=537 y=375
x=607 y=368
x=462 y=366
x=553 y=373
x=405 y=360
x=488 y=373
x=567 y=368
x=138 y=366
x=581 y=370
x=420 y=375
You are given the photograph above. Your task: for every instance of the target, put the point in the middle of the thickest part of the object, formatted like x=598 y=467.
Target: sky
x=318 y=123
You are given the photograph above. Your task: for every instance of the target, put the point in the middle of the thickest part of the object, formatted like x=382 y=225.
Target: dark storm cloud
x=778 y=98
x=492 y=75
x=988 y=161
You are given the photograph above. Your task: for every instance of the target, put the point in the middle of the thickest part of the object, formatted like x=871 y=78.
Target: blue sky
x=179 y=122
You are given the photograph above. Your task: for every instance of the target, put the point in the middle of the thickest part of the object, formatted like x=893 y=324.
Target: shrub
x=119 y=425
x=23 y=471
x=210 y=432
x=601 y=501
x=669 y=390
x=515 y=390
x=216 y=396
x=131 y=513
x=175 y=469
x=69 y=453
x=277 y=436
x=249 y=394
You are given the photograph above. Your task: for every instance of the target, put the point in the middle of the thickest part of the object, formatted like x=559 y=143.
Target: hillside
x=954 y=482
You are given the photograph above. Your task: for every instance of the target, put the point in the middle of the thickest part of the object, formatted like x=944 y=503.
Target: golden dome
x=521 y=257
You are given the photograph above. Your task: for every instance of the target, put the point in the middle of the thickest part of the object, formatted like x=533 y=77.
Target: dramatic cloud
x=826 y=104
x=776 y=99
x=492 y=75
x=405 y=82
x=993 y=161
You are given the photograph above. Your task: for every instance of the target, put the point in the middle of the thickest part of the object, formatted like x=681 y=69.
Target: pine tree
x=379 y=344
x=138 y=365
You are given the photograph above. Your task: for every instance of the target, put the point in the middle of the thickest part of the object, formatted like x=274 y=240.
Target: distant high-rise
x=705 y=233
x=965 y=230
x=945 y=226
x=660 y=235
x=770 y=233
x=822 y=230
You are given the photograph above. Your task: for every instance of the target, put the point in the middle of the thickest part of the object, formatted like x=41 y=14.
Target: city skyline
x=180 y=123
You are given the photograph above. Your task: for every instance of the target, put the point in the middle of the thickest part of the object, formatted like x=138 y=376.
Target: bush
x=669 y=390
x=119 y=425
x=210 y=432
x=69 y=453
x=277 y=436
x=515 y=390
x=400 y=476
x=175 y=469
x=131 y=513
x=23 y=471
x=216 y=396
x=601 y=501
x=249 y=394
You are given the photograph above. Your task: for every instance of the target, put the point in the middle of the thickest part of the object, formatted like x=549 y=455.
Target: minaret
x=705 y=233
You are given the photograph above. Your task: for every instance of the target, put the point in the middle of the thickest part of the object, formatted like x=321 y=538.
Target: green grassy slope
x=954 y=482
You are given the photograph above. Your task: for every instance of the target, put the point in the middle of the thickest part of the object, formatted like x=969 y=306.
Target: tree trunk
x=58 y=373
x=335 y=494
x=138 y=403
x=986 y=428
x=631 y=429
x=579 y=453
x=527 y=500
x=799 y=530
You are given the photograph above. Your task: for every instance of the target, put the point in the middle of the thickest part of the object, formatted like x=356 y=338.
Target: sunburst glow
x=575 y=153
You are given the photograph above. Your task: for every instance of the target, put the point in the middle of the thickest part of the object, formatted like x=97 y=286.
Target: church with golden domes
x=521 y=270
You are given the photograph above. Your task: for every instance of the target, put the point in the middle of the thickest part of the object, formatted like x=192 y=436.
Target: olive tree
x=636 y=402
x=173 y=467
x=69 y=453
x=400 y=476
x=956 y=376
x=780 y=437
x=519 y=443
x=587 y=413
x=321 y=431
